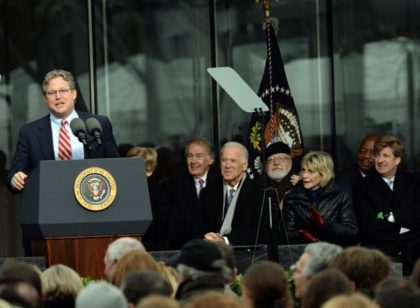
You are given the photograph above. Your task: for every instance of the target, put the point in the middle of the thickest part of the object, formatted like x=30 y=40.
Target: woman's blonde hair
x=355 y=300
x=322 y=162
x=149 y=155
x=60 y=280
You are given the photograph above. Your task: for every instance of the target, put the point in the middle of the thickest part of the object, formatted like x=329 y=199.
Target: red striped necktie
x=64 y=145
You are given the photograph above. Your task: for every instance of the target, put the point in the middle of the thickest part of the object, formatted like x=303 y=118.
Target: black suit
x=186 y=207
x=245 y=218
x=349 y=178
x=35 y=143
x=374 y=196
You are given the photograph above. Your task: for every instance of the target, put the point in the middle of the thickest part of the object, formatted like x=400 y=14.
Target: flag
x=281 y=122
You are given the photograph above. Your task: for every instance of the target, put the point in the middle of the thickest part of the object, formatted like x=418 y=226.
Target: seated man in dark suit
x=365 y=163
x=185 y=192
x=388 y=205
x=231 y=210
x=50 y=138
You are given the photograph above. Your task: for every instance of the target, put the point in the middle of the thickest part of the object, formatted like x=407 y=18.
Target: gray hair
x=67 y=76
x=120 y=246
x=321 y=254
x=234 y=144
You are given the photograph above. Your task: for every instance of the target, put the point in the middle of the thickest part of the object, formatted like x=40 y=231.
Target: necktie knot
x=390 y=184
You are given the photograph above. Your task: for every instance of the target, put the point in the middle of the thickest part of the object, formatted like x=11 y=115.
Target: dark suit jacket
x=375 y=196
x=246 y=216
x=185 y=207
x=35 y=144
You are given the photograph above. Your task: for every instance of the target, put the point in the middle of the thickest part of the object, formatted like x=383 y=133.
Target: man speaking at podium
x=51 y=138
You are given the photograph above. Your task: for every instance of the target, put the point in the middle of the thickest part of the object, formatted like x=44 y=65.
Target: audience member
x=170 y=275
x=388 y=202
x=365 y=267
x=356 y=300
x=317 y=209
x=101 y=294
x=395 y=292
x=415 y=274
x=185 y=191
x=229 y=257
x=231 y=213
x=158 y=301
x=275 y=183
x=156 y=237
x=60 y=286
x=115 y=250
x=213 y=299
x=139 y=284
x=325 y=285
x=365 y=164
x=131 y=261
x=201 y=267
x=20 y=284
x=315 y=258
x=265 y=285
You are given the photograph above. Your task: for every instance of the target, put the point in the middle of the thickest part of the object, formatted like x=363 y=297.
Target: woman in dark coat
x=317 y=209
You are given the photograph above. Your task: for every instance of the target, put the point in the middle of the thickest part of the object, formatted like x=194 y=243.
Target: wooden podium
x=78 y=222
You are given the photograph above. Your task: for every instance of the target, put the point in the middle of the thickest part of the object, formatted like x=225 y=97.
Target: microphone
x=95 y=129
x=78 y=129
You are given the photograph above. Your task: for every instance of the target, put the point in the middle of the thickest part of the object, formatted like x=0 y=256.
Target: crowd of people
x=200 y=275
x=369 y=213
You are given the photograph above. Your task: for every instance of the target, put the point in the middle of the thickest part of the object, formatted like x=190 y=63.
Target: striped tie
x=64 y=145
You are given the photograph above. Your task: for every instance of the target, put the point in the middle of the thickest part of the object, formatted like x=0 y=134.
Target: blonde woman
x=317 y=209
x=60 y=286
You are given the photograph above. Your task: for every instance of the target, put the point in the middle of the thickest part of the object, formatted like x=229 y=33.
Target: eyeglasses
x=54 y=93
x=278 y=159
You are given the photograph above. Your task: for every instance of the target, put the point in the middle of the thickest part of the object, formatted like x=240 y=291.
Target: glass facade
x=353 y=66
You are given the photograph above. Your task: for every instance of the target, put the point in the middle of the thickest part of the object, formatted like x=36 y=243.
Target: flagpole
x=266 y=7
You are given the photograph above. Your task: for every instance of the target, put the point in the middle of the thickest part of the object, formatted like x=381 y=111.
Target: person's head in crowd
x=60 y=286
x=4 y=304
x=355 y=300
x=229 y=257
x=415 y=274
x=20 y=284
x=59 y=92
x=365 y=267
x=278 y=161
x=314 y=258
x=389 y=153
x=200 y=258
x=158 y=301
x=139 y=284
x=394 y=292
x=200 y=156
x=101 y=294
x=325 y=285
x=133 y=260
x=233 y=162
x=213 y=299
x=265 y=285
x=115 y=250
x=170 y=275
x=365 y=155
x=317 y=170
x=149 y=155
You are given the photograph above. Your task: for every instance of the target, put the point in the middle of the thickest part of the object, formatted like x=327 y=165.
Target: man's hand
x=213 y=237
x=18 y=180
x=294 y=179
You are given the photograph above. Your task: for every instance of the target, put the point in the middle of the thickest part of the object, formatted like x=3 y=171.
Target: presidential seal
x=95 y=189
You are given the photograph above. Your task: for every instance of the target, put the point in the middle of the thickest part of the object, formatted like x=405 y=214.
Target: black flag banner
x=281 y=122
